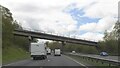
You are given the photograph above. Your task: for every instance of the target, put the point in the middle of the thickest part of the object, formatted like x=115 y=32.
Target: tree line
x=8 y=26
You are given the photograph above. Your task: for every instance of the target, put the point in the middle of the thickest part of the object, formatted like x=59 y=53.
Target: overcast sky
x=81 y=18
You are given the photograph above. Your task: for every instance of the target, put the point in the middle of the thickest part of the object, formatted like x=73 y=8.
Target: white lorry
x=57 y=52
x=38 y=51
x=48 y=51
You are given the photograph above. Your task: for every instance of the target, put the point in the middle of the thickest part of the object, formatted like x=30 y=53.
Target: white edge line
x=76 y=61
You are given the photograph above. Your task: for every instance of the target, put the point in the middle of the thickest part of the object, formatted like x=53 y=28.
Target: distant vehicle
x=48 y=51
x=57 y=52
x=38 y=51
x=61 y=52
x=103 y=54
x=73 y=52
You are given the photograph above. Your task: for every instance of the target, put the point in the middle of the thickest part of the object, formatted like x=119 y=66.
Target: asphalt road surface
x=50 y=61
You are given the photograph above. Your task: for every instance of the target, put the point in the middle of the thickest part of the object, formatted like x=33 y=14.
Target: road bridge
x=40 y=35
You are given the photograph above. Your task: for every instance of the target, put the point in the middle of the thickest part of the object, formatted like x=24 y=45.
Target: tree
x=54 y=45
x=8 y=26
x=16 y=25
x=117 y=29
x=111 y=40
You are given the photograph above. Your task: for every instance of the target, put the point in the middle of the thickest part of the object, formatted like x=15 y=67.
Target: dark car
x=103 y=54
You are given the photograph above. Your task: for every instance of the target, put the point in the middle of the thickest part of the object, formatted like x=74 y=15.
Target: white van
x=57 y=52
x=48 y=51
x=38 y=51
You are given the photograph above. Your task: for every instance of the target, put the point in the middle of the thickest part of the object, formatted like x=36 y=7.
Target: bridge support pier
x=62 y=47
x=30 y=40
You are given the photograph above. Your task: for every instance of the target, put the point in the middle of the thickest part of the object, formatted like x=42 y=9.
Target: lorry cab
x=38 y=51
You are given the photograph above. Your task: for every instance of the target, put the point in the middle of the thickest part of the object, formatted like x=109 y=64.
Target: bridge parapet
x=43 y=35
x=56 y=34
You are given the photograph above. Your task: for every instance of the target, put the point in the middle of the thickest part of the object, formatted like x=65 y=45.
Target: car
x=73 y=52
x=103 y=54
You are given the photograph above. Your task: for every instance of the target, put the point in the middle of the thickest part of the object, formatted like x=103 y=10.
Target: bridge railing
x=63 y=35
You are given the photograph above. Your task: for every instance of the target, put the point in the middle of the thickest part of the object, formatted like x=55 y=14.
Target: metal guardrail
x=110 y=62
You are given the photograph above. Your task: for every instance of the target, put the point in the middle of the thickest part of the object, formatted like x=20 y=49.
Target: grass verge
x=12 y=54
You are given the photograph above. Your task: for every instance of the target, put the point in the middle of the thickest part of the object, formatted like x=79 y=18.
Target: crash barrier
x=97 y=59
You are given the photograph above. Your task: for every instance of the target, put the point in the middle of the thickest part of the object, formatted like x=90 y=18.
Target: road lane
x=50 y=61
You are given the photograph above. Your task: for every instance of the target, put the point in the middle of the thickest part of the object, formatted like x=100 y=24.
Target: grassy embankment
x=13 y=48
x=13 y=54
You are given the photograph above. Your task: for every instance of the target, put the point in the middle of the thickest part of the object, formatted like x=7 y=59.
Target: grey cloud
x=33 y=23
x=26 y=8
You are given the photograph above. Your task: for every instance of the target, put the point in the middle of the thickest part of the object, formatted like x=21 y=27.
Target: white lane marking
x=48 y=60
x=76 y=61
